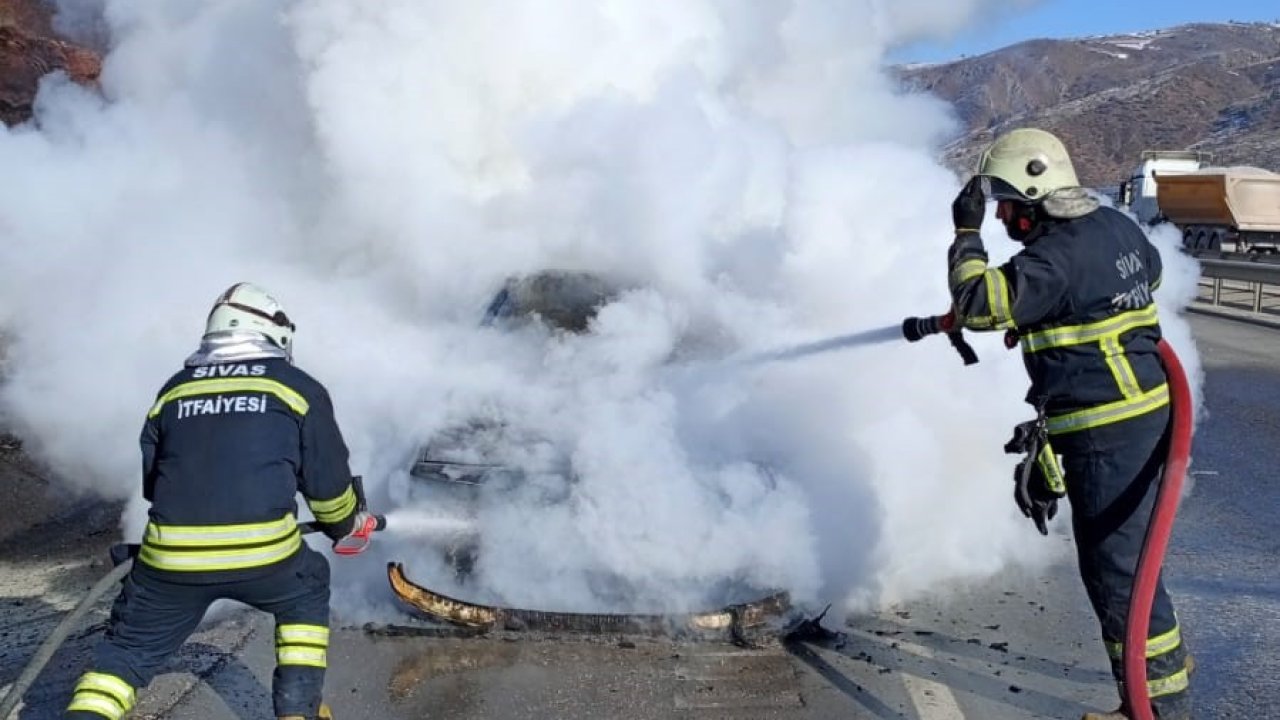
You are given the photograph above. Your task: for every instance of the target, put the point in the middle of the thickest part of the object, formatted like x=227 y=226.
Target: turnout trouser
x=1112 y=476
x=154 y=615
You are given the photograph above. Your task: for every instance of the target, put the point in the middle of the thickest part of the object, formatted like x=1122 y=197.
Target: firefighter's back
x=228 y=442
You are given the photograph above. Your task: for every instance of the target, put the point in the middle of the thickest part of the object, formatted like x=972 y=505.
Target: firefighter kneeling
x=229 y=442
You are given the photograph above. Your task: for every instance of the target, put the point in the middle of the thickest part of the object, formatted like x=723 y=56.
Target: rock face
x=1210 y=87
x=29 y=50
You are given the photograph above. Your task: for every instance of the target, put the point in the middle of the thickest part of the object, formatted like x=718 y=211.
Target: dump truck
x=1237 y=206
x=1215 y=208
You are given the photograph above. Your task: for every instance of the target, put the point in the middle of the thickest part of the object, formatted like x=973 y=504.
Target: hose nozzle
x=917 y=328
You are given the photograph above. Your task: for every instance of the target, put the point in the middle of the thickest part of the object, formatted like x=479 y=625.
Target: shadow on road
x=839 y=680
x=963 y=665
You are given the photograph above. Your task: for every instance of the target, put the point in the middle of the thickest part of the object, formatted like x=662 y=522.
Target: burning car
x=469 y=463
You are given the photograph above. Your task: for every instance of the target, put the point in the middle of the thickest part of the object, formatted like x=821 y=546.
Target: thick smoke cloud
x=748 y=170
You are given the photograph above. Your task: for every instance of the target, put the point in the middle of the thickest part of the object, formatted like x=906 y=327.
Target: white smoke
x=381 y=167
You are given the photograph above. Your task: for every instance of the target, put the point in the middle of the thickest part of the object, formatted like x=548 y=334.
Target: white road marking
x=933 y=700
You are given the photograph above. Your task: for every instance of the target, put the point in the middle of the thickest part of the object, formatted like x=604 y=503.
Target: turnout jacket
x=1078 y=300
x=225 y=450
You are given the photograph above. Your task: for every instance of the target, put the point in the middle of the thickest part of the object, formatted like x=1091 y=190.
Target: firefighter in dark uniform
x=229 y=442
x=1077 y=298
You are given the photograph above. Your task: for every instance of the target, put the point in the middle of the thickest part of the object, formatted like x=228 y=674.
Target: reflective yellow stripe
x=1049 y=467
x=200 y=536
x=111 y=685
x=225 y=549
x=286 y=394
x=96 y=684
x=1164 y=644
x=298 y=644
x=1159 y=645
x=103 y=694
x=330 y=511
x=1109 y=413
x=999 y=304
x=96 y=704
x=966 y=271
x=1068 y=335
x=296 y=655
x=999 y=300
x=213 y=560
x=317 y=635
x=1174 y=683
x=1120 y=368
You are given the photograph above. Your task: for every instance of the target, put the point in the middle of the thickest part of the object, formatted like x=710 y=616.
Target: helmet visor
x=996 y=189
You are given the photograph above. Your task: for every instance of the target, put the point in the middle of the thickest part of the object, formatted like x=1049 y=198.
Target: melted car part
x=730 y=622
x=564 y=299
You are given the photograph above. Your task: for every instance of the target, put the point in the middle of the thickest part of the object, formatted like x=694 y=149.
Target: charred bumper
x=732 y=622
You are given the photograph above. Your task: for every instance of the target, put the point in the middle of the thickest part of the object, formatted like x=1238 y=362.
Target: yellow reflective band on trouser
x=102 y=694
x=1100 y=415
x=1162 y=644
x=1048 y=462
x=302 y=645
x=287 y=395
x=207 y=548
x=335 y=510
x=967 y=270
x=1169 y=685
x=1068 y=335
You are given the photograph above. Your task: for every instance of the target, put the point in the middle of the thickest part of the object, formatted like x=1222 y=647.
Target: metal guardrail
x=1258 y=270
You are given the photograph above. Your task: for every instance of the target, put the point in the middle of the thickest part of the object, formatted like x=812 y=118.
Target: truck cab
x=1138 y=193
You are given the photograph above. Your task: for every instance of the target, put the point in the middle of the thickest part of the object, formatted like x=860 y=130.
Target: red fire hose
x=1157 y=540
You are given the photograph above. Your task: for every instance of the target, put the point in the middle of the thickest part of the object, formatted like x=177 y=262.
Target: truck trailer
x=1213 y=207
x=1237 y=206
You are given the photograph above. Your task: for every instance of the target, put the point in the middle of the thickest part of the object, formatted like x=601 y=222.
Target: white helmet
x=1027 y=164
x=245 y=306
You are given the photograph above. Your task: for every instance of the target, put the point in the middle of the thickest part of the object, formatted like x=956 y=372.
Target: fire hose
x=1157 y=539
x=1156 y=542
x=123 y=555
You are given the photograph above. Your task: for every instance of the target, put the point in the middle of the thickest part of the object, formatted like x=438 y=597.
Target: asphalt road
x=1020 y=646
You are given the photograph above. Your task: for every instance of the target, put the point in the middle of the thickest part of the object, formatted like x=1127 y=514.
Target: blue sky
x=1064 y=18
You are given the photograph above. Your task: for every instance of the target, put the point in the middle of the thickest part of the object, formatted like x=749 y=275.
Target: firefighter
x=1077 y=298
x=229 y=442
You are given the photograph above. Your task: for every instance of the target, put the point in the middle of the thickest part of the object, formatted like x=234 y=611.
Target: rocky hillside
x=30 y=49
x=1212 y=87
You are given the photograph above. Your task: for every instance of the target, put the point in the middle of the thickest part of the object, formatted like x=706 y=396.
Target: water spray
x=840 y=342
x=416 y=523
x=913 y=329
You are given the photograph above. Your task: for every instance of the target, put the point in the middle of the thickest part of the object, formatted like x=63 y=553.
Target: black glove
x=969 y=207
x=1034 y=490
x=1031 y=492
